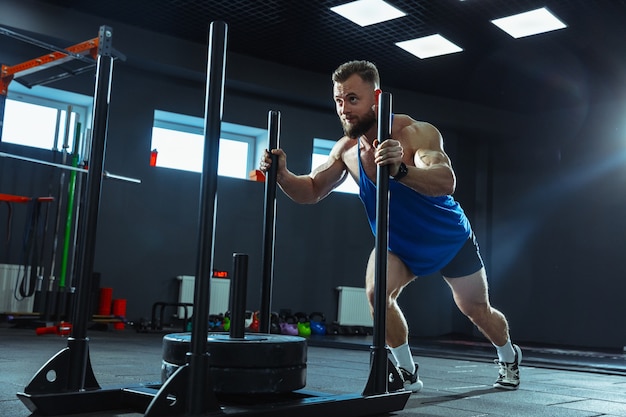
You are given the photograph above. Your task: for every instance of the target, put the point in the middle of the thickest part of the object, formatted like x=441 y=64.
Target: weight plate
x=257 y=350
x=249 y=380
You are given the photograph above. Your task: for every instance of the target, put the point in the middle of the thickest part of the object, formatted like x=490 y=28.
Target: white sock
x=404 y=358
x=506 y=353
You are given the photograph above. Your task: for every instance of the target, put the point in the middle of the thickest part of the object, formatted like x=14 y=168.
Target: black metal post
x=78 y=340
x=238 y=297
x=377 y=383
x=199 y=379
x=3 y=101
x=269 y=220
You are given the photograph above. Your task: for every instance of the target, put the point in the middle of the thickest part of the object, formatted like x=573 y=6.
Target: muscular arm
x=434 y=175
x=430 y=172
x=311 y=188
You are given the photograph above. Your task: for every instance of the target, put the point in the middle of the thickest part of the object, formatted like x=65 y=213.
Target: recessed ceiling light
x=429 y=46
x=529 y=23
x=368 y=12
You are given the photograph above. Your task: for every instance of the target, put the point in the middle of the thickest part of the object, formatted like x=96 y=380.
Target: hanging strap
x=7 y=241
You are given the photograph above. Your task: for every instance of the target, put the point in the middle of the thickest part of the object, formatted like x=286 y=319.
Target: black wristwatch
x=402 y=171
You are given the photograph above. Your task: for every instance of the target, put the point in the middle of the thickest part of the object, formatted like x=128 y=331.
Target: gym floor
x=457 y=374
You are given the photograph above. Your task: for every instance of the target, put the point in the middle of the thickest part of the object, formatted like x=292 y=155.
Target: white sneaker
x=412 y=382
x=508 y=377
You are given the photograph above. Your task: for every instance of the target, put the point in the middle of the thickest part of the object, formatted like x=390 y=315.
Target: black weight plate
x=250 y=380
x=258 y=350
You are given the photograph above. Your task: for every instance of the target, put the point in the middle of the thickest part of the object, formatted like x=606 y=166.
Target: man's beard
x=354 y=131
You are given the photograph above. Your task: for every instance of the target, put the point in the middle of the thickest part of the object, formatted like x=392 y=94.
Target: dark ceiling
x=584 y=62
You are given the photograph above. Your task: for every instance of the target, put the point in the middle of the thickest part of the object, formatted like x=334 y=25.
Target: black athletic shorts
x=466 y=262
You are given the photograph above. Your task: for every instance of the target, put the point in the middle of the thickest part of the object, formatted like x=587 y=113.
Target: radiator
x=220 y=294
x=353 y=308
x=9 y=277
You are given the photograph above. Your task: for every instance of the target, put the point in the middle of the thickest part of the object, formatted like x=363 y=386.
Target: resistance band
x=32 y=234
x=70 y=211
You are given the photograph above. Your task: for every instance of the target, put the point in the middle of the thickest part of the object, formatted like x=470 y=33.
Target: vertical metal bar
x=3 y=101
x=78 y=339
x=64 y=153
x=269 y=220
x=57 y=129
x=238 y=298
x=379 y=372
x=199 y=378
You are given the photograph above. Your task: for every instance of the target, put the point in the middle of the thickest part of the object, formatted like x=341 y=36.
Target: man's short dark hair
x=365 y=69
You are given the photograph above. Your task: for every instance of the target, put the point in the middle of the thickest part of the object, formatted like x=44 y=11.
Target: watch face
x=402 y=171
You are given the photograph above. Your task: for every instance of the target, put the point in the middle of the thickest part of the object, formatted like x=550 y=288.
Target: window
x=321 y=150
x=37 y=117
x=179 y=143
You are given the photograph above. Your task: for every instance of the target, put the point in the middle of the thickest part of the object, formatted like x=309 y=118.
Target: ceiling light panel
x=529 y=23
x=368 y=12
x=429 y=46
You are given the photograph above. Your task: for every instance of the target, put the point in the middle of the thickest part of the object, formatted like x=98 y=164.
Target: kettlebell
x=274 y=323
x=254 y=326
x=304 y=325
x=318 y=323
x=304 y=329
x=289 y=326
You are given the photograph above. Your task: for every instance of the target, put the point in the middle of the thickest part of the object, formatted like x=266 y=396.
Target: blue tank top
x=424 y=232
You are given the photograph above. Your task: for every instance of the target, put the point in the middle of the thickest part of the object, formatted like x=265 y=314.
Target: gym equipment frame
x=189 y=390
